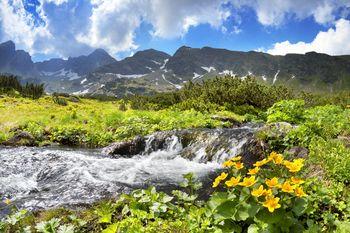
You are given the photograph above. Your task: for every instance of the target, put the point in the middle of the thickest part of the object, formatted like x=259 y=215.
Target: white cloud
x=18 y=25
x=335 y=41
x=113 y=22
x=275 y=12
x=73 y=27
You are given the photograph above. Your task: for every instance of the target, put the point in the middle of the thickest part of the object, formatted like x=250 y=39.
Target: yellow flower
x=216 y=182
x=294 y=166
x=267 y=192
x=299 y=192
x=238 y=165
x=248 y=181
x=261 y=163
x=258 y=192
x=276 y=158
x=253 y=171
x=7 y=201
x=228 y=163
x=272 y=182
x=237 y=158
x=296 y=180
x=222 y=176
x=271 y=203
x=287 y=187
x=233 y=181
x=218 y=179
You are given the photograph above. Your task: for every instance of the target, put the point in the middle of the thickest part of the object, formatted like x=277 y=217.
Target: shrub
x=291 y=111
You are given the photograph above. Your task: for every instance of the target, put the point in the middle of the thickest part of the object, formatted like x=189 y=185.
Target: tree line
x=10 y=84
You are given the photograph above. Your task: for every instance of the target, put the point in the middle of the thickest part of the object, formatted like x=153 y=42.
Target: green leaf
x=217 y=199
x=111 y=228
x=300 y=206
x=226 y=210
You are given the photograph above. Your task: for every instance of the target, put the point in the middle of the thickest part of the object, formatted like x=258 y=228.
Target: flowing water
x=38 y=178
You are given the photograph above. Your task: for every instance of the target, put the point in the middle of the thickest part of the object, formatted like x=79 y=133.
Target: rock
x=126 y=149
x=298 y=152
x=277 y=130
x=21 y=139
x=74 y=99
x=252 y=151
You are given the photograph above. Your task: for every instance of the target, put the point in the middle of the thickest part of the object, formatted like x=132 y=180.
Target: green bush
x=291 y=111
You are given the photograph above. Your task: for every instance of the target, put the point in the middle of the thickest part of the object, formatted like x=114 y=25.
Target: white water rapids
x=40 y=178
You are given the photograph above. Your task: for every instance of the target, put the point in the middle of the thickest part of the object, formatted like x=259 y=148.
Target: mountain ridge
x=151 y=70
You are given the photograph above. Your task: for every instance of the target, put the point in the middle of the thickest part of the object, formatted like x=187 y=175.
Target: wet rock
x=253 y=150
x=126 y=149
x=298 y=152
x=21 y=139
x=277 y=130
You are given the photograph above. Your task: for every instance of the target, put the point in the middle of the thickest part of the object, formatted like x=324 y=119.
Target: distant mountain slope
x=142 y=62
x=150 y=70
x=15 y=61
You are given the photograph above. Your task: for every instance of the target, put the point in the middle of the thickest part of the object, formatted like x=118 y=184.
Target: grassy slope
x=90 y=122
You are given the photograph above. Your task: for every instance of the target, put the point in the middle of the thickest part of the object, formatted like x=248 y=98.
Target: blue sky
x=63 y=28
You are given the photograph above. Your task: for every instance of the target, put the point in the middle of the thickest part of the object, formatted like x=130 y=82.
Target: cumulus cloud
x=275 y=12
x=17 y=24
x=113 y=23
x=73 y=27
x=335 y=41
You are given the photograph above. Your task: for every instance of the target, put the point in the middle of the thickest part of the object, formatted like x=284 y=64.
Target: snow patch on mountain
x=227 y=72
x=165 y=62
x=175 y=85
x=208 y=69
x=275 y=77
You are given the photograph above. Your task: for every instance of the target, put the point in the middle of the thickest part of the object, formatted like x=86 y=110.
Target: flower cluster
x=265 y=187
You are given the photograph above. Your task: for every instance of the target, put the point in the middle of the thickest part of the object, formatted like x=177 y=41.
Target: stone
x=126 y=149
x=298 y=152
x=21 y=139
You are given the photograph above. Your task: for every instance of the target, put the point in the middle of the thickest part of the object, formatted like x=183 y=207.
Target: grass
x=91 y=122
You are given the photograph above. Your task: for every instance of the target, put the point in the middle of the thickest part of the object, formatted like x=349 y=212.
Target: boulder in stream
x=126 y=149
x=21 y=138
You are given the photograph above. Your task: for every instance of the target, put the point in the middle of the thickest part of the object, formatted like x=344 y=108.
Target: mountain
x=152 y=71
x=142 y=62
x=74 y=67
x=14 y=61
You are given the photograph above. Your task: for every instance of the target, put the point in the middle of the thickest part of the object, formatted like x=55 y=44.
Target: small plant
x=268 y=196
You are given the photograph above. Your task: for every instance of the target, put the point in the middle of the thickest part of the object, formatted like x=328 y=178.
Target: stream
x=48 y=177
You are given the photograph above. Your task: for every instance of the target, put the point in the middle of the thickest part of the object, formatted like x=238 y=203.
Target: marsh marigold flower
x=233 y=181
x=287 y=187
x=296 y=180
x=237 y=158
x=276 y=158
x=248 y=181
x=271 y=203
x=259 y=191
x=253 y=171
x=267 y=192
x=228 y=163
x=294 y=166
x=272 y=183
x=261 y=163
x=299 y=192
x=218 y=179
x=238 y=165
